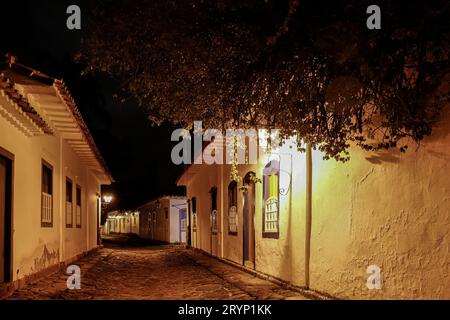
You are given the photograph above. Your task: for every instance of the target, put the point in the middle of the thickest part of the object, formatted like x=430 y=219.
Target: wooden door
x=3 y=166
x=6 y=167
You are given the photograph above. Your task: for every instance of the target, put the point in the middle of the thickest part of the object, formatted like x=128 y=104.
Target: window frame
x=272 y=167
x=232 y=202
x=78 y=188
x=68 y=180
x=48 y=166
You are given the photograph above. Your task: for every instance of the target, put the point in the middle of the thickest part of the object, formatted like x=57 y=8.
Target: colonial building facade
x=50 y=177
x=374 y=227
x=122 y=222
x=164 y=219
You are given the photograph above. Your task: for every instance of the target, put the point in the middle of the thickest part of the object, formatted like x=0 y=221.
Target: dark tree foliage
x=307 y=67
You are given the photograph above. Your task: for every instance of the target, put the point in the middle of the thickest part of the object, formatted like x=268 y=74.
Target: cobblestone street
x=155 y=272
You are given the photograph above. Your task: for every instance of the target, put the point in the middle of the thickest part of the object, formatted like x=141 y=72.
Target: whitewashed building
x=164 y=219
x=375 y=227
x=122 y=222
x=50 y=177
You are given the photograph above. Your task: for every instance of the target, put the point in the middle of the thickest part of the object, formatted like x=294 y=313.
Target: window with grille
x=47 y=196
x=78 y=208
x=69 y=204
x=214 y=226
x=271 y=214
x=232 y=208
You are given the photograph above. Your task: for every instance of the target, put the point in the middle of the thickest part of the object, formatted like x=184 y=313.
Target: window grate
x=232 y=219
x=69 y=214
x=47 y=208
x=271 y=215
x=78 y=217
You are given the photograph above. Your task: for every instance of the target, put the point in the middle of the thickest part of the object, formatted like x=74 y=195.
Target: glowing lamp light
x=107 y=198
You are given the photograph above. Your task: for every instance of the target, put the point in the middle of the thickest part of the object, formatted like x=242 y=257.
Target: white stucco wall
x=75 y=239
x=35 y=247
x=199 y=187
x=388 y=209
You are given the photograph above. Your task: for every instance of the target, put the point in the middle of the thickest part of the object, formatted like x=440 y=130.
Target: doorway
x=249 y=221
x=182 y=225
x=6 y=172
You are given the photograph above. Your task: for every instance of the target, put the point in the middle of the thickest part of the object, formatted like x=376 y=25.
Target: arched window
x=232 y=208
x=271 y=215
x=213 y=218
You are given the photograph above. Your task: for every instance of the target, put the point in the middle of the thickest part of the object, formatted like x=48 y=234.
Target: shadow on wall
x=431 y=143
x=379 y=157
x=439 y=134
x=46 y=259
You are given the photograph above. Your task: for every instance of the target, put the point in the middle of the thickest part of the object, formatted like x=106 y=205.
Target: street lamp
x=107 y=198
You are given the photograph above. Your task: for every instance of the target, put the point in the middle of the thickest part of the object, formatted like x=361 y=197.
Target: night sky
x=137 y=153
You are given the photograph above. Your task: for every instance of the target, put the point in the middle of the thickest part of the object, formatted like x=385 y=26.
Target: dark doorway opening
x=6 y=198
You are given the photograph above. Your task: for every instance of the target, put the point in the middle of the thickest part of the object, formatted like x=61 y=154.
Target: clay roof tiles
x=7 y=89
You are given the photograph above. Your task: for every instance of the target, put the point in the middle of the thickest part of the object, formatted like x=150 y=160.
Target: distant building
x=50 y=177
x=164 y=219
x=122 y=222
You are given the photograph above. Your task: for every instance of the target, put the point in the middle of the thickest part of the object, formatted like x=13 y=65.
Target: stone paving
x=155 y=272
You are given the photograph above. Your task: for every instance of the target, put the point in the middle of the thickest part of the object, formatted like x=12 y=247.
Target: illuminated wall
x=174 y=216
x=282 y=257
x=122 y=222
x=199 y=187
x=34 y=247
x=161 y=227
x=78 y=240
x=386 y=209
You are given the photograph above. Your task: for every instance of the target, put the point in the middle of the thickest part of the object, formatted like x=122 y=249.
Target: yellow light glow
x=107 y=198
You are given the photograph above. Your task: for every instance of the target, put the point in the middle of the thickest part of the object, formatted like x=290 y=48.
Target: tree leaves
x=322 y=75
